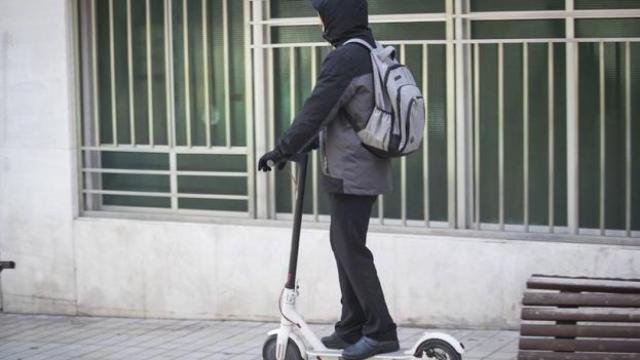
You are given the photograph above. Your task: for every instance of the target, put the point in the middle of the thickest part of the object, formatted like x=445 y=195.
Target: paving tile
x=39 y=337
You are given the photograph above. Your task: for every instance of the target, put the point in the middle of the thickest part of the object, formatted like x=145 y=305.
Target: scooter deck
x=335 y=355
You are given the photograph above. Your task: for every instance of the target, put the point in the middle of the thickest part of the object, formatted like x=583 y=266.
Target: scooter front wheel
x=269 y=349
x=437 y=349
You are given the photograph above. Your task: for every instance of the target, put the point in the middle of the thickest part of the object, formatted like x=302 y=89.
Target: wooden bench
x=573 y=318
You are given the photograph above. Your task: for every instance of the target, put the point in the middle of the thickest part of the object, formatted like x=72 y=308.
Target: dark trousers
x=364 y=311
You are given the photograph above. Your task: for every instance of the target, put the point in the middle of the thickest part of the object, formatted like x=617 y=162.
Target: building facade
x=130 y=130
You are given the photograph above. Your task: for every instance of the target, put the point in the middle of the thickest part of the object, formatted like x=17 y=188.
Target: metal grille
x=510 y=113
x=162 y=131
x=530 y=108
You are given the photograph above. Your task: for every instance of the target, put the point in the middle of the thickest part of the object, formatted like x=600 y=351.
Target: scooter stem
x=297 y=222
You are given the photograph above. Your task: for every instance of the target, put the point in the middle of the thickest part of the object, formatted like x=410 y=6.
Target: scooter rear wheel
x=438 y=350
x=269 y=349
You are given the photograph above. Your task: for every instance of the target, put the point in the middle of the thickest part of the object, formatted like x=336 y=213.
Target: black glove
x=272 y=158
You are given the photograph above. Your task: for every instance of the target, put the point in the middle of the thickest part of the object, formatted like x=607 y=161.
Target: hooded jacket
x=343 y=95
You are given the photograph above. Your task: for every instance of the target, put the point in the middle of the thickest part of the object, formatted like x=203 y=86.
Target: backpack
x=396 y=125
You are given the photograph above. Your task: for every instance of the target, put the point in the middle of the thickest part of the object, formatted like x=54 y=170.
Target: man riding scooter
x=352 y=176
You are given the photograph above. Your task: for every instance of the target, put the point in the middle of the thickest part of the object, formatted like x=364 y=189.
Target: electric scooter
x=294 y=339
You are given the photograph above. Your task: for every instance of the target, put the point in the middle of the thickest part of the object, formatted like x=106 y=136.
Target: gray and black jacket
x=343 y=96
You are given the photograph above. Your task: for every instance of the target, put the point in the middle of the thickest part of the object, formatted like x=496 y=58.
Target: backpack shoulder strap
x=359 y=41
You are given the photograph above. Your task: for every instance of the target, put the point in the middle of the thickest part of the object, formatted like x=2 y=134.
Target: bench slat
x=542 y=314
x=568 y=345
x=589 y=331
x=593 y=300
x=584 y=277
x=580 y=285
x=544 y=355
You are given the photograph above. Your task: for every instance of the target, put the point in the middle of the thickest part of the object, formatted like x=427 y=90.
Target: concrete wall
x=70 y=265
x=37 y=156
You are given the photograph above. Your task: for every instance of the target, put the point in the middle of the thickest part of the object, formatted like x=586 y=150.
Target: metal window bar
x=168 y=48
x=551 y=145
x=476 y=122
x=215 y=150
x=425 y=141
x=573 y=86
x=627 y=64
x=94 y=73
x=403 y=160
x=205 y=64
x=602 y=100
x=249 y=114
x=226 y=67
x=451 y=114
x=173 y=195
x=271 y=128
x=186 y=70
x=132 y=111
x=501 y=135
x=525 y=134
x=165 y=172
x=150 y=117
x=112 y=64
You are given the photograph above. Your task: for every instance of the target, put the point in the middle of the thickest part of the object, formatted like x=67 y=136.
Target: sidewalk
x=39 y=337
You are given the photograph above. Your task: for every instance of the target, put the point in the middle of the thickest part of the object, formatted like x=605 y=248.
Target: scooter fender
x=296 y=340
x=457 y=345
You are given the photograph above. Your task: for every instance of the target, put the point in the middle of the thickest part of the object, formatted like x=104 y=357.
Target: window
x=165 y=105
x=530 y=115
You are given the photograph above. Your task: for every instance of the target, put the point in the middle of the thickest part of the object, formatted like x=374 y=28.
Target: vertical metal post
x=187 y=71
x=425 y=142
x=248 y=78
x=171 y=115
x=205 y=62
x=112 y=65
x=525 y=134
x=501 y=134
x=168 y=47
x=403 y=160
x=94 y=73
x=150 y=118
x=260 y=109
x=132 y=112
x=572 y=121
x=627 y=86
x=227 y=82
x=476 y=132
x=271 y=134
x=451 y=115
x=602 y=139
x=551 y=150
x=464 y=166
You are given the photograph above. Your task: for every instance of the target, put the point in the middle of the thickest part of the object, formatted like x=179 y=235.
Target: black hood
x=344 y=20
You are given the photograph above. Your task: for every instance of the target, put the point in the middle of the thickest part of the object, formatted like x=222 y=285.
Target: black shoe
x=333 y=341
x=367 y=347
